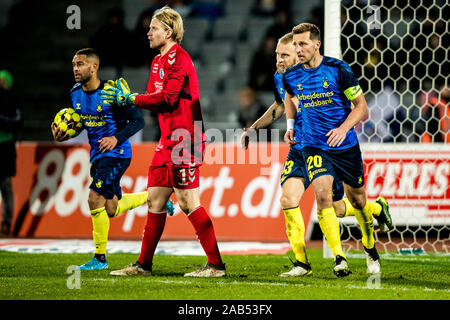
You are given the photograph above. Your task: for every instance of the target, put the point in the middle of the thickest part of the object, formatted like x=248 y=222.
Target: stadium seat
x=107 y=73
x=137 y=78
x=256 y=28
x=243 y=56
x=238 y=8
x=226 y=106
x=195 y=30
x=228 y=28
x=236 y=81
x=216 y=52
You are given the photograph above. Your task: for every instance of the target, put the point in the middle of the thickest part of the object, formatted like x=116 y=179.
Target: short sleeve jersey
x=280 y=94
x=324 y=95
x=100 y=121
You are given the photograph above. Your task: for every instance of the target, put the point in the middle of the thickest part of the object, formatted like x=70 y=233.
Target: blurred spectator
x=141 y=53
x=183 y=7
x=384 y=119
x=106 y=38
x=10 y=124
x=250 y=107
x=268 y=8
x=435 y=116
x=264 y=8
x=262 y=65
x=316 y=17
x=375 y=70
x=282 y=25
x=210 y=10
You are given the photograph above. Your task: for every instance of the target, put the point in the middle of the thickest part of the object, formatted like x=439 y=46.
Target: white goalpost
x=398 y=52
x=332 y=48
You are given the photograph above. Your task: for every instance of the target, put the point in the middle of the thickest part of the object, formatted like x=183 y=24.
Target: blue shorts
x=106 y=174
x=344 y=165
x=295 y=166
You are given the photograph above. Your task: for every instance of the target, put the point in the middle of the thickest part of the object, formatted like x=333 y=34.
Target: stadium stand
x=40 y=48
x=39 y=53
x=222 y=44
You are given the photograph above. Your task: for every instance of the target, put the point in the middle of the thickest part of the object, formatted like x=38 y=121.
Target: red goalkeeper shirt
x=172 y=91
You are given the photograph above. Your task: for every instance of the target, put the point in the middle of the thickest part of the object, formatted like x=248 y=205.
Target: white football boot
x=372 y=260
x=208 y=271
x=341 y=269
x=134 y=269
x=300 y=269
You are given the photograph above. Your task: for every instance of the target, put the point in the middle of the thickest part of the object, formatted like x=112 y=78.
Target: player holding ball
x=108 y=129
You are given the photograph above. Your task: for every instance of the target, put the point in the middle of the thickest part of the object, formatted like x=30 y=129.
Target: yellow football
x=69 y=121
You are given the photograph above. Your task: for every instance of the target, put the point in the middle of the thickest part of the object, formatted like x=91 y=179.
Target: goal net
x=399 y=51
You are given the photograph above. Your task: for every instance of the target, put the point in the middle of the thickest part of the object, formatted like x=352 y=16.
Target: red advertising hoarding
x=239 y=189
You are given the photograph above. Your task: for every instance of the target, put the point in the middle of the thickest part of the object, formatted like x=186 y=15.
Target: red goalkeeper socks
x=152 y=233
x=205 y=233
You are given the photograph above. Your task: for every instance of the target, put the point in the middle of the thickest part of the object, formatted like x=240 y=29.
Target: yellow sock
x=130 y=201
x=377 y=208
x=350 y=210
x=100 y=225
x=295 y=230
x=365 y=221
x=330 y=227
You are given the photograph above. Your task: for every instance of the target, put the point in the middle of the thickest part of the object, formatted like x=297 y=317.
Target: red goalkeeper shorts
x=165 y=172
x=173 y=177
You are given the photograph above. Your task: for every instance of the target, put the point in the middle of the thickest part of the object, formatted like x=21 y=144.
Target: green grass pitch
x=26 y=276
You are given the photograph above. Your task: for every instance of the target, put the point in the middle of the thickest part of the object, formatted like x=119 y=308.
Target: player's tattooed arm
x=275 y=111
x=272 y=114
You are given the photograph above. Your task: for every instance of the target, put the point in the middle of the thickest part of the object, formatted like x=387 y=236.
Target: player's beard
x=280 y=68
x=311 y=59
x=83 y=78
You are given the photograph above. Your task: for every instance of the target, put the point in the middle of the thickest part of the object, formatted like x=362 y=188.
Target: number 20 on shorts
x=314 y=162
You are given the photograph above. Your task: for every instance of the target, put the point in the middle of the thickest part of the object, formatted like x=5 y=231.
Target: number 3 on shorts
x=288 y=167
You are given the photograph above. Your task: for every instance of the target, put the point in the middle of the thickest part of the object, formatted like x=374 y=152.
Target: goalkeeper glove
x=123 y=85
x=107 y=93
x=118 y=92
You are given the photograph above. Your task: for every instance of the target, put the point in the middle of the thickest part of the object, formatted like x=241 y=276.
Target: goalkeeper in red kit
x=173 y=92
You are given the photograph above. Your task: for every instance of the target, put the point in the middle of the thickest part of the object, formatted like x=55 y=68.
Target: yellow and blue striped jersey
x=324 y=95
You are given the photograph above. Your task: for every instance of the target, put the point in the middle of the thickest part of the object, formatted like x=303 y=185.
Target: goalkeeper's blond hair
x=171 y=20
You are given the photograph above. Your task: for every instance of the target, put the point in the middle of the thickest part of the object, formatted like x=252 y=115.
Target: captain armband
x=353 y=92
